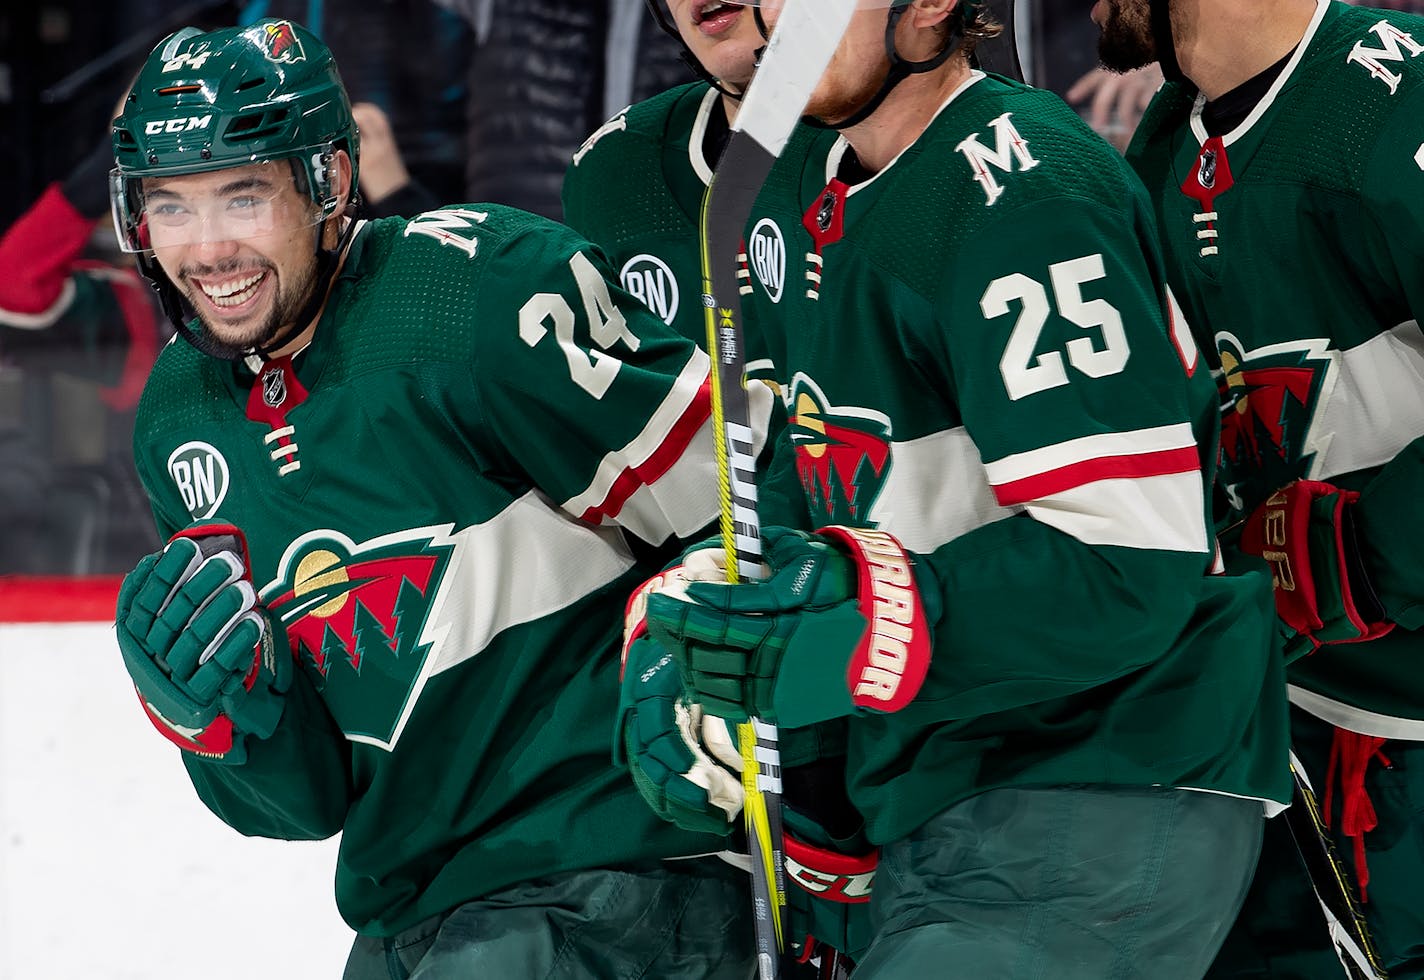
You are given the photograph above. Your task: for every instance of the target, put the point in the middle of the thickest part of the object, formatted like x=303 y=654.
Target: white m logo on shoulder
x=456 y=227
x=1009 y=147
x=1392 y=40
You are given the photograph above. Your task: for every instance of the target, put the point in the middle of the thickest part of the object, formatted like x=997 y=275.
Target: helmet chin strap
x=900 y=69
x=171 y=299
x=1162 y=41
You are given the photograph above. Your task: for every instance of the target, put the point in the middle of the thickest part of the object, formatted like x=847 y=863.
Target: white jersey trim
x=1353 y=718
x=838 y=150
x=1156 y=513
x=1199 y=128
x=695 y=157
x=1136 y=442
x=936 y=490
x=1375 y=406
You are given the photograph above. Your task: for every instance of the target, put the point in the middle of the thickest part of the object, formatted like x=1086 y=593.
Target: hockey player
x=636 y=185
x=636 y=188
x=1064 y=724
x=1285 y=159
x=399 y=460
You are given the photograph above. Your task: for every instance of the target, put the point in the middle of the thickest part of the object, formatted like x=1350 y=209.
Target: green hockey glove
x=839 y=625
x=684 y=762
x=207 y=665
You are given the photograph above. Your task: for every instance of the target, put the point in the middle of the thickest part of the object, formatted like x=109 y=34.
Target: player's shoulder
x=461 y=242
x=1352 y=113
x=181 y=377
x=1003 y=146
x=1362 y=64
x=429 y=282
x=642 y=128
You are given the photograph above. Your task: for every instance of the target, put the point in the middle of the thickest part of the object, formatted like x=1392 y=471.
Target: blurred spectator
x=387 y=187
x=1113 y=103
x=545 y=74
x=408 y=58
x=77 y=337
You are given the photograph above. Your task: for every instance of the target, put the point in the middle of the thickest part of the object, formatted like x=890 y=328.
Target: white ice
x=110 y=868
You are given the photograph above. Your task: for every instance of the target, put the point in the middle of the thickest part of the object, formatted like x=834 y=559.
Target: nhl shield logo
x=200 y=473
x=648 y=278
x=766 y=251
x=274 y=388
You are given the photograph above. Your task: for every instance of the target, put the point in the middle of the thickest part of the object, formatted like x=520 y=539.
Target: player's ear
x=342 y=171
x=928 y=13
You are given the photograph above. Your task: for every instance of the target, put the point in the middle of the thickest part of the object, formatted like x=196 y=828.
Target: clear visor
x=236 y=204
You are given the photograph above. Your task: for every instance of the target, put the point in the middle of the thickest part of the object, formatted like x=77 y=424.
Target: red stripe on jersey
x=659 y=461
x=1134 y=466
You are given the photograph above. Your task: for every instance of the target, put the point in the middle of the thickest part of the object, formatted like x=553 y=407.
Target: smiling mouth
x=716 y=8
x=232 y=292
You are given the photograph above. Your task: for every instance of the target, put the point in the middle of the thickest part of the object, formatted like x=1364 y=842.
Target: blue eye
x=169 y=212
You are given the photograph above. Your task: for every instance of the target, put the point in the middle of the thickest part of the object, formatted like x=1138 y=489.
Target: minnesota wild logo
x=842 y=455
x=1270 y=398
x=357 y=618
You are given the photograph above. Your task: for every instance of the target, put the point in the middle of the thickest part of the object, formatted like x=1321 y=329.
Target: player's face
x=1126 y=42
x=722 y=36
x=239 y=244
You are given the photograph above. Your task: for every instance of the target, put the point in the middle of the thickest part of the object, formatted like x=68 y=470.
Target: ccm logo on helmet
x=177 y=125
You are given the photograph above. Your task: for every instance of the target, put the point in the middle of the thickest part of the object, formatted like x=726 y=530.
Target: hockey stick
x=1348 y=932
x=806 y=35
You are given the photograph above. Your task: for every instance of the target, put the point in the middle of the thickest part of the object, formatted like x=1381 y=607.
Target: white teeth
x=233 y=293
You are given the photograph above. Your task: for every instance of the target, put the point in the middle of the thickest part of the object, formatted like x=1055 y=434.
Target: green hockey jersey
x=635 y=188
x=1295 y=243
x=437 y=495
x=980 y=357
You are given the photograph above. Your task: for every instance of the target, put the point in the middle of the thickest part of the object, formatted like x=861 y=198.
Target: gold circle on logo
x=808 y=414
x=321 y=570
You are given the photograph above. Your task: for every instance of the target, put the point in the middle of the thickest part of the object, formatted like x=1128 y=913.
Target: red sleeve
x=38 y=252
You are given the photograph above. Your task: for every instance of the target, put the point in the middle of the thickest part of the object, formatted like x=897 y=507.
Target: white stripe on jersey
x=528 y=561
x=1137 y=489
x=646 y=443
x=684 y=500
x=1162 y=513
x=1087 y=449
x=1373 y=408
x=935 y=492
x=938 y=489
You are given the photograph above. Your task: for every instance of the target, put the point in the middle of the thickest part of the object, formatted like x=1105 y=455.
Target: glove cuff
x=893 y=656
x=835 y=877
x=217 y=742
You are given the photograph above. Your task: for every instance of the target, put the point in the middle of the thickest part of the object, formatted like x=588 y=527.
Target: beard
x=844 y=101
x=259 y=330
x=1127 y=42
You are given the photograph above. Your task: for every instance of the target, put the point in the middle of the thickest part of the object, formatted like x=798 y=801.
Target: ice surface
x=110 y=868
